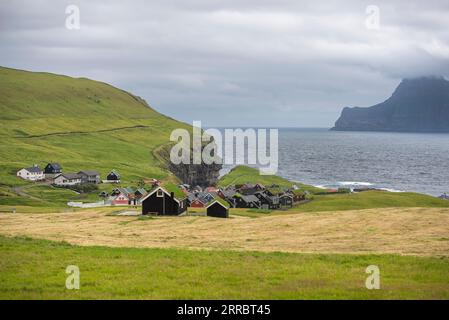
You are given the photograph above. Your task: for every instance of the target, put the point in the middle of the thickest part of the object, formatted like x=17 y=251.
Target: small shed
x=218 y=208
x=113 y=176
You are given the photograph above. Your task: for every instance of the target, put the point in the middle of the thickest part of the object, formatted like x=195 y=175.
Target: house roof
x=55 y=165
x=130 y=190
x=70 y=176
x=191 y=196
x=122 y=193
x=168 y=188
x=286 y=195
x=250 y=198
x=275 y=190
x=202 y=200
x=272 y=199
x=114 y=173
x=228 y=193
x=124 y=190
x=298 y=192
x=204 y=197
x=89 y=172
x=33 y=169
x=220 y=201
x=141 y=191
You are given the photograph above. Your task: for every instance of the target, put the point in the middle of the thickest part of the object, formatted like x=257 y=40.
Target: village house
x=217 y=208
x=298 y=195
x=128 y=191
x=195 y=202
x=200 y=199
x=67 y=179
x=242 y=201
x=139 y=193
x=286 y=200
x=227 y=193
x=267 y=201
x=33 y=173
x=89 y=176
x=247 y=189
x=164 y=200
x=52 y=170
x=121 y=197
x=113 y=176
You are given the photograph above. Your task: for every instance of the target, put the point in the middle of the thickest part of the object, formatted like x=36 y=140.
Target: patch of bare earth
x=411 y=231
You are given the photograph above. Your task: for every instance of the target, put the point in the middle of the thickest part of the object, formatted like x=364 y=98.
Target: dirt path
x=20 y=190
x=414 y=231
x=82 y=132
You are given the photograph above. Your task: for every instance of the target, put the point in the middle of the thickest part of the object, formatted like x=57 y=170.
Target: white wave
x=355 y=183
x=390 y=190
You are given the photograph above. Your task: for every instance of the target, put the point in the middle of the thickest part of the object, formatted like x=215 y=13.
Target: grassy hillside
x=244 y=174
x=80 y=123
x=371 y=199
x=35 y=269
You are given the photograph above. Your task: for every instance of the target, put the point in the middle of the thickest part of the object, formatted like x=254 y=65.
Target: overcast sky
x=279 y=63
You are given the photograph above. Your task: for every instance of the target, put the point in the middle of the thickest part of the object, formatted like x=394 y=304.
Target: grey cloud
x=231 y=63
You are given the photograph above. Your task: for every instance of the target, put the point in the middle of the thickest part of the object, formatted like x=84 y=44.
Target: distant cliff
x=417 y=105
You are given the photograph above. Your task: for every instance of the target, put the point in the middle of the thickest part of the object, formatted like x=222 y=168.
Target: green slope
x=243 y=174
x=80 y=123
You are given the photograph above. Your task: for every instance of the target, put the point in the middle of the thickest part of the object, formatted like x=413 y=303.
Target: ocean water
x=392 y=161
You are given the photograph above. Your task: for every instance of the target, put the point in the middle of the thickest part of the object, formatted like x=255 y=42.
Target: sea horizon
x=352 y=159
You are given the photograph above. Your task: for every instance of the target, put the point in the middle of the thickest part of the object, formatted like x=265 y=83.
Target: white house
x=33 y=173
x=68 y=179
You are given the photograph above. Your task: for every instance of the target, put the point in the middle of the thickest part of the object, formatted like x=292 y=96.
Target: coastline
x=354 y=186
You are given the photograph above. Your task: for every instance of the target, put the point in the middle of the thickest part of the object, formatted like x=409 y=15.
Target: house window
x=160 y=193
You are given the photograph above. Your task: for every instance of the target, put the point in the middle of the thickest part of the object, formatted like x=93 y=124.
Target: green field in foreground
x=35 y=269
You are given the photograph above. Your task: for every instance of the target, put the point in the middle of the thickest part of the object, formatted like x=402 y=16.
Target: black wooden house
x=267 y=201
x=53 y=168
x=164 y=201
x=218 y=208
x=113 y=176
x=286 y=200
